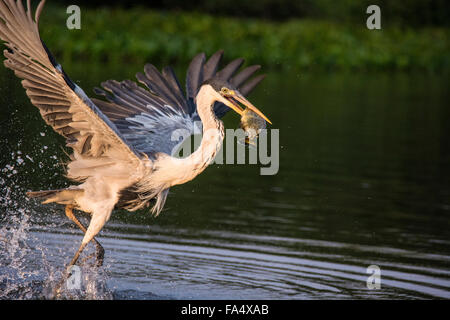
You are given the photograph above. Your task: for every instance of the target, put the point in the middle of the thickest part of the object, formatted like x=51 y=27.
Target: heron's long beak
x=235 y=98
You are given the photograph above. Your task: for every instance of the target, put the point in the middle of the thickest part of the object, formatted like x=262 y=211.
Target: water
x=364 y=180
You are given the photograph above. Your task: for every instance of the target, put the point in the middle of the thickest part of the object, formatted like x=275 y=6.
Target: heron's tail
x=61 y=196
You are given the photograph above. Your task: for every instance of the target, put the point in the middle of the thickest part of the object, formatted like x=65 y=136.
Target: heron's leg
x=100 y=250
x=77 y=255
x=98 y=220
x=59 y=285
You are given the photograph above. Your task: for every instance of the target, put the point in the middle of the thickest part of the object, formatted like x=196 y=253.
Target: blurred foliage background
x=302 y=35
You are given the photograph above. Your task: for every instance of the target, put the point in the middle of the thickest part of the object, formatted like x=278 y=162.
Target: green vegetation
x=140 y=35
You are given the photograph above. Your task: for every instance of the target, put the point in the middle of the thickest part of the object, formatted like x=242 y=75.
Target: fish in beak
x=235 y=98
x=252 y=124
x=252 y=119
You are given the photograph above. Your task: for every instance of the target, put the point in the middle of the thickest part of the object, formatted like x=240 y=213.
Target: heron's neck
x=213 y=133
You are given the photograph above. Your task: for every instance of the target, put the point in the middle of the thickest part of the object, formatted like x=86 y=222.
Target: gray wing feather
x=158 y=131
x=230 y=69
x=194 y=76
x=244 y=75
x=148 y=118
x=250 y=85
x=175 y=87
x=62 y=104
x=211 y=66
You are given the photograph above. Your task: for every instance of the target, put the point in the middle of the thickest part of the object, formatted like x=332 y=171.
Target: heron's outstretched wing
x=149 y=121
x=159 y=118
x=62 y=104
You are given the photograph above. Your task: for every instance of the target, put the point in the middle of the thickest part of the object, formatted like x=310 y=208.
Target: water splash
x=30 y=268
x=23 y=265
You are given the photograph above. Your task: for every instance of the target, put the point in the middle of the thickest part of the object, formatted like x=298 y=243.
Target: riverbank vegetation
x=139 y=35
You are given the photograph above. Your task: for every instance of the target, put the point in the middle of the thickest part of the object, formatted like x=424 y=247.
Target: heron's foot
x=60 y=285
x=100 y=255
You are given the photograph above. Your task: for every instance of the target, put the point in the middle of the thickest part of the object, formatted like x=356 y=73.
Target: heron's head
x=231 y=97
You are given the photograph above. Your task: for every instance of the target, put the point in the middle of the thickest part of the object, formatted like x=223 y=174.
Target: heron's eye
x=224 y=90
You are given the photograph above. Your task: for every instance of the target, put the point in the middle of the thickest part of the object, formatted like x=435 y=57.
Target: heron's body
x=123 y=149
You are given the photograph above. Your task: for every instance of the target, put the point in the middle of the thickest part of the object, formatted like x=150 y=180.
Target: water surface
x=364 y=180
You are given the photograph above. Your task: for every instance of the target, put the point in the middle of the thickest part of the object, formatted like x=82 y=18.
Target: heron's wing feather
x=194 y=76
x=62 y=104
x=211 y=66
x=153 y=120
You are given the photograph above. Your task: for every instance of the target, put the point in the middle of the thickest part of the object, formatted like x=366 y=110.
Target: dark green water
x=364 y=179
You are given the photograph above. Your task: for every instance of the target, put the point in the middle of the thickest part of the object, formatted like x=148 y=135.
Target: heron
x=123 y=152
